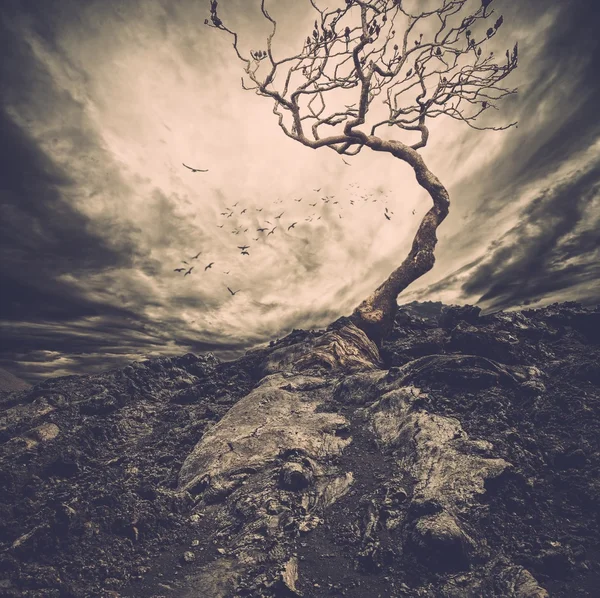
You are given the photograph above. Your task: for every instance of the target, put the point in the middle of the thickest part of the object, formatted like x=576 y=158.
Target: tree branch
x=355 y=55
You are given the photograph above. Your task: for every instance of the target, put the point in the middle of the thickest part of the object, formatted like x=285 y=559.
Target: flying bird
x=179 y=270
x=313 y=204
x=346 y=163
x=228 y=271
x=194 y=169
x=220 y=225
x=413 y=211
x=317 y=190
x=261 y=230
x=388 y=217
x=268 y=222
x=271 y=232
x=236 y=203
x=259 y=210
x=244 y=253
x=196 y=256
x=243 y=247
x=233 y=292
x=209 y=266
x=189 y=271
x=298 y=199
x=243 y=211
x=292 y=225
x=280 y=215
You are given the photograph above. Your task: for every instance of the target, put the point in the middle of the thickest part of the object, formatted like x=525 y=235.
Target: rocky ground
x=463 y=460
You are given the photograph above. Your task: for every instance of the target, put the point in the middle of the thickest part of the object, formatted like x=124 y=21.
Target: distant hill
x=10 y=382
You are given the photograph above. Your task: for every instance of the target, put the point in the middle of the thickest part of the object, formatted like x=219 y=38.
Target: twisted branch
x=357 y=52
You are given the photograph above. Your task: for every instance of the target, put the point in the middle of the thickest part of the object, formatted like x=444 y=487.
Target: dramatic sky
x=102 y=100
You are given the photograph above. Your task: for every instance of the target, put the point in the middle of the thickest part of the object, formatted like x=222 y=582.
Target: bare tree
x=419 y=66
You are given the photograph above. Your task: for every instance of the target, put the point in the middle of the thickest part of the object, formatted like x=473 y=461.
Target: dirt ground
x=89 y=465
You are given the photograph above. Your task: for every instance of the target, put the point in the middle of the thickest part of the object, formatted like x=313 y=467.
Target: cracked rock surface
x=461 y=459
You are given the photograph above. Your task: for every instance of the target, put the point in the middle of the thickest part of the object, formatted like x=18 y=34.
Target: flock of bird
x=275 y=222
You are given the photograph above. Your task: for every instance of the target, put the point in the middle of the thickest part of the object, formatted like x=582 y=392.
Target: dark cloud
x=556 y=104
x=93 y=344
x=553 y=248
x=41 y=235
x=451 y=281
x=557 y=112
x=545 y=252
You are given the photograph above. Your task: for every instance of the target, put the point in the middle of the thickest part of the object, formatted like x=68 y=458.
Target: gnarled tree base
x=375 y=315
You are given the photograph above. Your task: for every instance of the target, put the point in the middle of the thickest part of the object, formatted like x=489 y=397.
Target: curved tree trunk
x=375 y=315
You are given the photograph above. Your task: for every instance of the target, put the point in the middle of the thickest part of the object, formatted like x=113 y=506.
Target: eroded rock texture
x=461 y=460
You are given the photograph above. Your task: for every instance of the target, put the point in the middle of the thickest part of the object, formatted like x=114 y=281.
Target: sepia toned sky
x=101 y=102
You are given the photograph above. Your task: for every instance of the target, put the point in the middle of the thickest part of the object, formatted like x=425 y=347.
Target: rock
x=309 y=523
x=289 y=576
x=522 y=584
x=45 y=432
x=555 y=561
x=401 y=350
x=486 y=342
x=101 y=405
x=421 y=311
x=65 y=466
x=498 y=579
x=295 y=476
x=588 y=323
x=257 y=429
x=533 y=388
x=454 y=314
x=194 y=393
x=440 y=543
x=358 y=389
x=470 y=371
x=574 y=459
